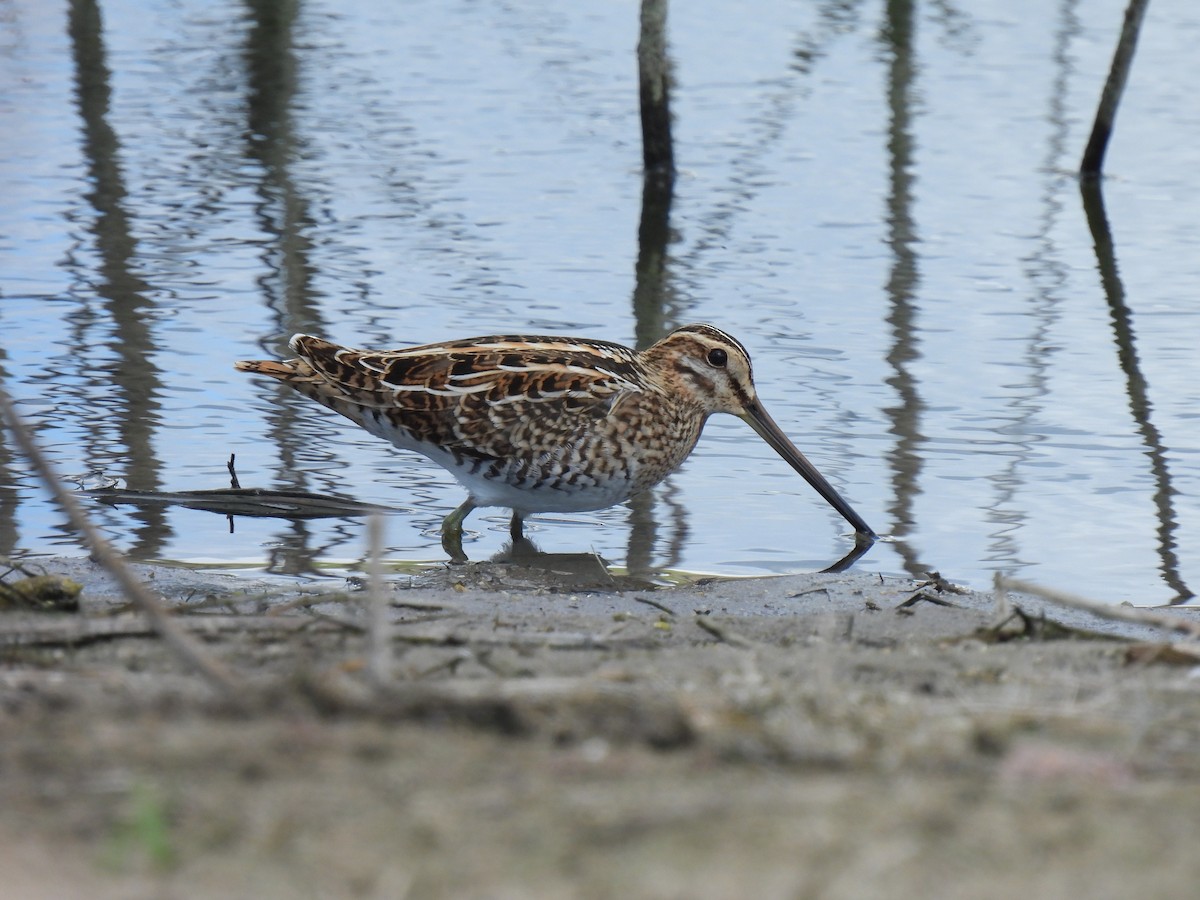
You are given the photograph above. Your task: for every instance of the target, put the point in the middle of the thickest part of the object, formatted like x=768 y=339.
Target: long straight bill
x=761 y=422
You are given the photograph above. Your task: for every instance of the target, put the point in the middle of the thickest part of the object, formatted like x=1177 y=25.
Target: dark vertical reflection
x=650 y=300
x=283 y=212
x=651 y=289
x=1047 y=273
x=654 y=231
x=272 y=145
x=1136 y=387
x=660 y=294
x=134 y=378
x=905 y=460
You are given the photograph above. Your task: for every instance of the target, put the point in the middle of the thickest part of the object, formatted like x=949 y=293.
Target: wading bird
x=544 y=424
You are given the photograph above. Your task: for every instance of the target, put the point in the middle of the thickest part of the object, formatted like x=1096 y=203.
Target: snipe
x=544 y=424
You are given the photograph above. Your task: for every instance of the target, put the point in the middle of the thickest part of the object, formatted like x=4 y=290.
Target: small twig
x=935 y=580
x=341 y=621
x=655 y=604
x=451 y=664
x=307 y=600
x=1028 y=626
x=819 y=589
x=172 y=634
x=22 y=631
x=421 y=605
x=379 y=628
x=1103 y=610
x=928 y=598
x=314 y=599
x=1003 y=609
x=234 y=485
x=722 y=634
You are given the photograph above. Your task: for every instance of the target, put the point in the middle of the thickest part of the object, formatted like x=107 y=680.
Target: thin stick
x=1106 y=113
x=1103 y=610
x=654 y=78
x=378 y=628
x=656 y=605
x=721 y=633
x=102 y=551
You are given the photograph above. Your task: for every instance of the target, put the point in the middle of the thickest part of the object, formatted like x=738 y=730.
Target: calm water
x=875 y=198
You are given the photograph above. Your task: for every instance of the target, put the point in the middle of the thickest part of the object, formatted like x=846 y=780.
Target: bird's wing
x=488 y=397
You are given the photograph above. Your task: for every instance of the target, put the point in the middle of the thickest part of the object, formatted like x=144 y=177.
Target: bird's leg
x=452 y=531
x=516 y=527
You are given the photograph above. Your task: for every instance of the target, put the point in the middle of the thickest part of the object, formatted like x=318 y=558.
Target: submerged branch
x=239 y=501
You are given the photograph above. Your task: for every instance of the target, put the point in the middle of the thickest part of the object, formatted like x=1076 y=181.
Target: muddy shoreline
x=558 y=732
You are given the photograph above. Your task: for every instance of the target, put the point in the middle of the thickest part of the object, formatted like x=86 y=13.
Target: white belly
x=533 y=494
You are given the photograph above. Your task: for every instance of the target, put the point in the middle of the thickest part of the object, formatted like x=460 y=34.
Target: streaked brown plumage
x=544 y=424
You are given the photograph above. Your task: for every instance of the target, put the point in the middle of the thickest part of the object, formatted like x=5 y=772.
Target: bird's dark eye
x=717 y=358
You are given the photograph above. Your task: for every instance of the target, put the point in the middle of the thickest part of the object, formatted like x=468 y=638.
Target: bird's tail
x=284 y=370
